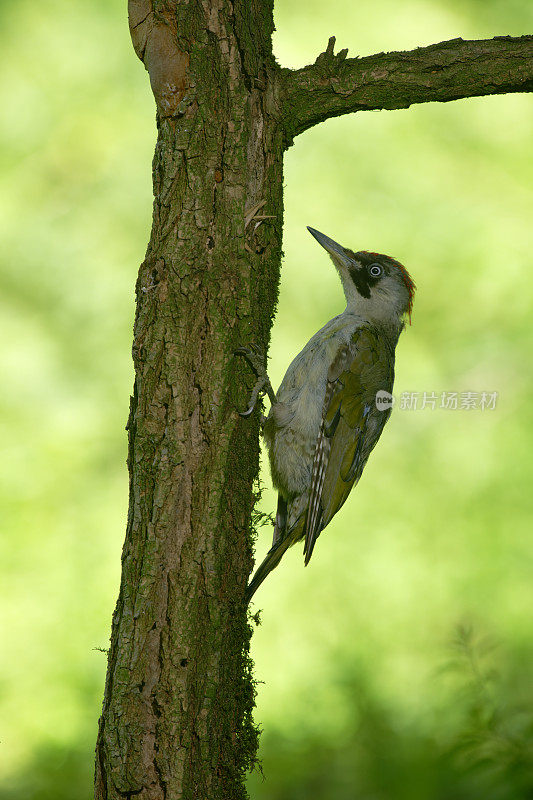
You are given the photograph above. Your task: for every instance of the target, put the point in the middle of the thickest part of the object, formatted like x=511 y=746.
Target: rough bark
x=176 y=719
x=336 y=85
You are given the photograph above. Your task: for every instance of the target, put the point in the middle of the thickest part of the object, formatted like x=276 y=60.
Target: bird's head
x=377 y=287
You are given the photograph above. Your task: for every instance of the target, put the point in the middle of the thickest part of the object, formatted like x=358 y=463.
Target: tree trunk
x=177 y=713
x=179 y=695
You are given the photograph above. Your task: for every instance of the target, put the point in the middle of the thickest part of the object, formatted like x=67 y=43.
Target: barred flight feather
x=320 y=463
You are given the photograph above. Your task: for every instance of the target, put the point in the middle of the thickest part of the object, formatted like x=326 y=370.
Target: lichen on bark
x=177 y=715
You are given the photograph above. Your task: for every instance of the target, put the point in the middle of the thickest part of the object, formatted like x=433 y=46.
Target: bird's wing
x=351 y=425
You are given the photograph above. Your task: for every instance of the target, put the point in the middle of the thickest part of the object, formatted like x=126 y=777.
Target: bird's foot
x=255 y=358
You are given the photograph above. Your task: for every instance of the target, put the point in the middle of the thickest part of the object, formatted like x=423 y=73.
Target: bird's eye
x=375 y=270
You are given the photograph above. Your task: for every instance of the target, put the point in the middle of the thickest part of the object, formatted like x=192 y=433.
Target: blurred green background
x=398 y=665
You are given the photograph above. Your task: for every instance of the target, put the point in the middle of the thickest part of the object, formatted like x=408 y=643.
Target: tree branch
x=451 y=70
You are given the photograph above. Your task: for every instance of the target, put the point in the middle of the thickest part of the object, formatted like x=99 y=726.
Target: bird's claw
x=256 y=391
x=255 y=358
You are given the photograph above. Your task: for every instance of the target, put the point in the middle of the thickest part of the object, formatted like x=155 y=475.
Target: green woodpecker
x=334 y=400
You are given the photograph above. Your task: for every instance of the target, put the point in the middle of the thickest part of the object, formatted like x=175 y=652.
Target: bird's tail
x=272 y=559
x=283 y=539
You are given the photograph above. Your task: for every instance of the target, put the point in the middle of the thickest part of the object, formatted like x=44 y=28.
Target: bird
x=333 y=401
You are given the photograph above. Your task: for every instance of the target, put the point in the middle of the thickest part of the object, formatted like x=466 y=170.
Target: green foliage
x=353 y=701
x=494 y=740
x=484 y=749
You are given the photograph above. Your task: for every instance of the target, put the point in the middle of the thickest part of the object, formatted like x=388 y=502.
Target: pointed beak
x=332 y=247
x=347 y=267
